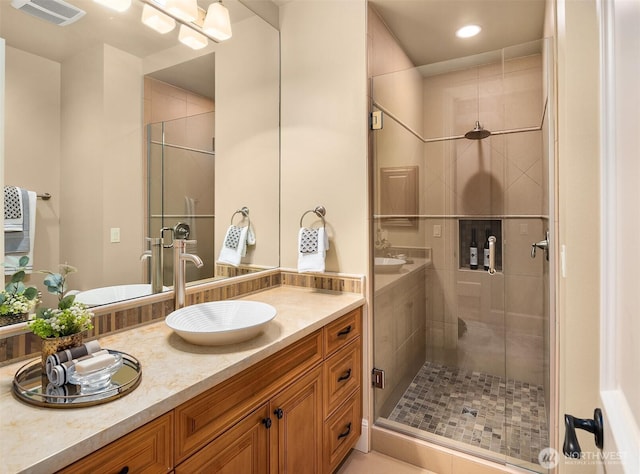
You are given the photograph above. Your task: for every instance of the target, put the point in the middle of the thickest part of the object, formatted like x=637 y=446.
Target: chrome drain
x=470 y=411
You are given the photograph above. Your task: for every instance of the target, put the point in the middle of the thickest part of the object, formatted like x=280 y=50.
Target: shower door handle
x=492 y=255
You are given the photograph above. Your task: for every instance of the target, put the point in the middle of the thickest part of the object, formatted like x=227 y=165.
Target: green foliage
x=61 y=322
x=56 y=283
x=17 y=298
x=69 y=317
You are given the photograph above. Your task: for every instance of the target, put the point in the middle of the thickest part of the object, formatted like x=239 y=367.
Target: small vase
x=7 y=319
x=51 y=345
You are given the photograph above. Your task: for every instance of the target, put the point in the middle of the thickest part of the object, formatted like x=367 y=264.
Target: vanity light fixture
x=186 y=10
x=217 y=23
x=157 y=20
x=192 y=38
x=214 y=24
x=468 y=31
x=117 y=5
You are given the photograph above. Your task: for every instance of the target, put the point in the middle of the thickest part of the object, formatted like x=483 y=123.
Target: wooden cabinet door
x=296 y=432
x=241 y=449
x=149 y=449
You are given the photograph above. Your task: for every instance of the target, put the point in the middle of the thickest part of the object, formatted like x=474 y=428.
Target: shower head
x=478 y=133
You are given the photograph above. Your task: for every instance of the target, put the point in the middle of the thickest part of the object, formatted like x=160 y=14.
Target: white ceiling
x=121 y=30
x=426 y=28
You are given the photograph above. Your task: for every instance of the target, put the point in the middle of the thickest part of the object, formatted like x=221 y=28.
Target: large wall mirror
x=129 y=131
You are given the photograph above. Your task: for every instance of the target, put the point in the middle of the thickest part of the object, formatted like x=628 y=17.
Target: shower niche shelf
x=481 y=227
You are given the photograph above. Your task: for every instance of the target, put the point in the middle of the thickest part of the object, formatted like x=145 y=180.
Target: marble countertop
x=386 y=281
x=43 y=440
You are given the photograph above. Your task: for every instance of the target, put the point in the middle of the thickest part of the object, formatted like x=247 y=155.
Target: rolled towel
x=59 y=374
x=70 y=354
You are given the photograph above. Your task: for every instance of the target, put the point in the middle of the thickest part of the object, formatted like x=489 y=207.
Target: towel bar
x=44 y=196
x=319 y=211
x=245 y=214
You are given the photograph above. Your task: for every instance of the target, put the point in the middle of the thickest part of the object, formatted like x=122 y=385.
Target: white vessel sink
x=220 y=322
x=387 y=265
x=112 y=294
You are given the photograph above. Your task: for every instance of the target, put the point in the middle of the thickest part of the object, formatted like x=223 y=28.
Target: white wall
x=247 y=137
x=97 y=85
x=578 y=218
x=324 y=127
x=33 y=111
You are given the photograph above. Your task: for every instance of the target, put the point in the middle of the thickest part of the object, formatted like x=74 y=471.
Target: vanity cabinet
x=208 y=415
x=342 y=376
x=298 y=411
x=147 y=449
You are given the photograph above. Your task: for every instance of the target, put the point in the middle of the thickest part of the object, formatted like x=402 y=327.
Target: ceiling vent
x=55 y=11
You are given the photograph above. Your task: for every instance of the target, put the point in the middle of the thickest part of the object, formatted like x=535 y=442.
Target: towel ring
x=245 y=214
x=319 y=211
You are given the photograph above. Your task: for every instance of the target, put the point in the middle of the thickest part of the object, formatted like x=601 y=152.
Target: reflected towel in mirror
x=235 y=244
x=20 y=243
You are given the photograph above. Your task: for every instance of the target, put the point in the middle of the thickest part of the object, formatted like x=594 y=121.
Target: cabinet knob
x=346 y=432
x=124 y=470
x=345 y=331
x=267 y=422
x=279 y=413
x=345 y=376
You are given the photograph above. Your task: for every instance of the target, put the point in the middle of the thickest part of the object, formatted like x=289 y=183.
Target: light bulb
x=468 y=31
x=217 y=23
x=117 y=5
x=186 y=10
x=157 y=20
x=192 y=38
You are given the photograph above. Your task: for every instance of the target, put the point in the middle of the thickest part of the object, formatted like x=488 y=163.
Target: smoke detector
x=55 y=11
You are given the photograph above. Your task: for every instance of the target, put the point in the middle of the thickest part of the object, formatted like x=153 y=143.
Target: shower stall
x=465 y=343
x=180 y=173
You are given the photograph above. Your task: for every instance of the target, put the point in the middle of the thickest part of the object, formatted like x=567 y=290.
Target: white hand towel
x=234 y=246
x=18 y=242
x=12 y=262
x=13 y=205
x=311 y=255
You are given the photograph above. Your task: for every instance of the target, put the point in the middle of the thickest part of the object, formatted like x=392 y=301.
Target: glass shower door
x=465 y=351
x=181 y=170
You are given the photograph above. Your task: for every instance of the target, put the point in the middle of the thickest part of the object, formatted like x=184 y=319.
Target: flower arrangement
x=17 y=298
x=69 y=317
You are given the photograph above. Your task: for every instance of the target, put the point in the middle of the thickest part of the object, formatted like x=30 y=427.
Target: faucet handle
x=162 y=231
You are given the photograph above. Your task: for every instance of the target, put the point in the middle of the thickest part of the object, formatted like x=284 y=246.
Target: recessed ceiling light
x=468 y=31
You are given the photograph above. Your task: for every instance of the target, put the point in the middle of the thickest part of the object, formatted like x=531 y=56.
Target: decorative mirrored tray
x=31 y=385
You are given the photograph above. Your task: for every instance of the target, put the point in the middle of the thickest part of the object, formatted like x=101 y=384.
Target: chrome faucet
x=180 y=258
x=155 y=254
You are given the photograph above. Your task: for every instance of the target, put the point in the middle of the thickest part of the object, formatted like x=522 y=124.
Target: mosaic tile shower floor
x=503 y=416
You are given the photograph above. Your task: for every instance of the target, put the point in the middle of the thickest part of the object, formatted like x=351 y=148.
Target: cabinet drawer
x=148 y=449
x=341 y=432
x=201 y=419
x=342 y=375
x=342 y=331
